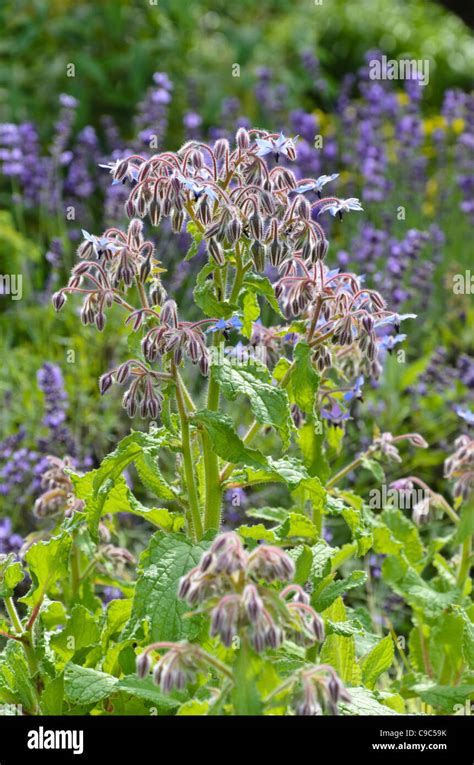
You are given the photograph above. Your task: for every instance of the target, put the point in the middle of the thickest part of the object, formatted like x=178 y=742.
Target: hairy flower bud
x=221 y=148
x=169 y=314
x=216 y=251
x=242 y=139
x=143 y=665
x=59 y=298
x=256 y=226
x=257 y=251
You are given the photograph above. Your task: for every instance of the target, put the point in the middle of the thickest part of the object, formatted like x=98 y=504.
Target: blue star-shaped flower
x=280 y=145
x=198 y=187
x=356 y=390
x=99 y=242
x=395 y=318
x=390 y=341
x=226 y=324
x=131 y=174
x=335 y=415
x=465 y=414
x=317 y=184
x=341 y=206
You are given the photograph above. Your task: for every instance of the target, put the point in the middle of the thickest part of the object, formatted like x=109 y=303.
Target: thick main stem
x=212 y=512
x=194 y=519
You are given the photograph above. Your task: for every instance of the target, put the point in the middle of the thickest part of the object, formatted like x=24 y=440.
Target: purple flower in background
x=111 y=593
x=9 y=541
x=152 y=119
x=192 y=122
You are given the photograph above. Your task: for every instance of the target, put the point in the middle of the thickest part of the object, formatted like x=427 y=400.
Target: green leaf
x=360 y=529
x=81 y=631
x=418 y=593
x=276 y=514
x=346 y=629
x=257 y=532
x=304 y=560
x=364 y=703
x=375 y=468
x=466 y=523
x=263 y=286
x=339 y=651
x=446 y=644
x=147 y=689
x=167 y=558
x=52 y=696
x=197 y=238
x=406 y=532
x=15 y=676
x=468 y=643
x=377 y=661
x=104 y=490
x=84 y=686
x=225 y=441
x=310 y=438
x=151 y=477
x=304 y=380
x=322 y=555
x=205 y=298
x=323 y=600
x=251 y=312
x=245 y=695
x=193 y=708
x=269 y=404
x=116 y=615
x=11 y=574
x=444 y=696
x=47 y=563
x=297 y=526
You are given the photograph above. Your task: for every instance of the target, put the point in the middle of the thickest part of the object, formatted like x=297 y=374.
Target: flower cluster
x=459 y=468
x=250 y=214
x=319 y=690
x=232 y=585
x=57 y=496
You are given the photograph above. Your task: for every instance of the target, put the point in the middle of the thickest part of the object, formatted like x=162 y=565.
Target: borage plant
x=252 y=620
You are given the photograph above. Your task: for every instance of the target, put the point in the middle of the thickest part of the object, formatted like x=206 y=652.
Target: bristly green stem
x=239 y=275
x=195 y=523
x=212 y=513
x=466 y=552
x=25 y=637
x=351 y=466
x=13 y=614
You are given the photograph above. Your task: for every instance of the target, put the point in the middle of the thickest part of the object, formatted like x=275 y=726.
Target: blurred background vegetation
x=117 y=45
